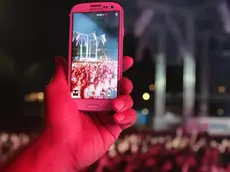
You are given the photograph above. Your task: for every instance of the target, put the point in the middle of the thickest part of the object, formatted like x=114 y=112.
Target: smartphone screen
x=95 y=43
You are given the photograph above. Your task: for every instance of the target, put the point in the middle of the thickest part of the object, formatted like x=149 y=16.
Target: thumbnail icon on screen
x=75 y=93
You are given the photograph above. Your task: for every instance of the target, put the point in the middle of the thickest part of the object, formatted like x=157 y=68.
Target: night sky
x=31 y=31
x=36 y=30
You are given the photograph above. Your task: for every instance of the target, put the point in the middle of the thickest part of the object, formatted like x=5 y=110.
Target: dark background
x=32 y=33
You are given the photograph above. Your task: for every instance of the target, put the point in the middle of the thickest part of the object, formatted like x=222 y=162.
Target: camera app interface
x=94 y=72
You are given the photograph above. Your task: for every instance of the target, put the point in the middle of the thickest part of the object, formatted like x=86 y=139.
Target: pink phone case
x=95 y=104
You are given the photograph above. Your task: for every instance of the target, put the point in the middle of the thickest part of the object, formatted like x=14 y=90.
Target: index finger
x=127 y=63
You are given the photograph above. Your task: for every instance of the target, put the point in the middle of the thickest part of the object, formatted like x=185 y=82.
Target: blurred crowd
x=94 y=79
x=145 y=152
x=166 y=153
x=11 y=143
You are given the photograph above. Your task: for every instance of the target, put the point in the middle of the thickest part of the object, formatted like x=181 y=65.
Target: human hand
x=86 y=136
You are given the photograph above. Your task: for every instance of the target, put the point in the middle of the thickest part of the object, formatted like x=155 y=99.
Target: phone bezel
x=96 y=104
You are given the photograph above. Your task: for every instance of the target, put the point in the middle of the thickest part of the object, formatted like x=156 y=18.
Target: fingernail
x=119 y=104
x=120 y=117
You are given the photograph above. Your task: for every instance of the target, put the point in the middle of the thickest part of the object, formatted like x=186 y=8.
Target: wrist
x=46 y=153
x=67 y=149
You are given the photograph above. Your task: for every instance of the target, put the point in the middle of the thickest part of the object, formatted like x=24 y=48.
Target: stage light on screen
x=221 y=89
x=94 y=36
x=145 y=111
x=78 y=36
x=152 y=87
x=103 y=38
x=146 y=96
x=220 y=112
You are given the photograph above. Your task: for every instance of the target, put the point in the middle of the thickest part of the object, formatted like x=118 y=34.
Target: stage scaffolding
x=185 y=39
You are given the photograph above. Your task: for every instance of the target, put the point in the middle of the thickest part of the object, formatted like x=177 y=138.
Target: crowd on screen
x=94 y=79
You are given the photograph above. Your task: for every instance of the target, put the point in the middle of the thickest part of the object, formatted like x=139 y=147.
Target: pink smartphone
x=95 y=54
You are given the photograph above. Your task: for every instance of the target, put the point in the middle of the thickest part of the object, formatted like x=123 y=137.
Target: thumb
x=59 y=80
x=57 y=92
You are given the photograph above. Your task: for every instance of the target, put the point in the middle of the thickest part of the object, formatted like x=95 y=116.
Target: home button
x=92 y=106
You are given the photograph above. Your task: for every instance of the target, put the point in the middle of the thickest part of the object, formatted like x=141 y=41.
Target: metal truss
x=90 y=42
x=186 y=47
